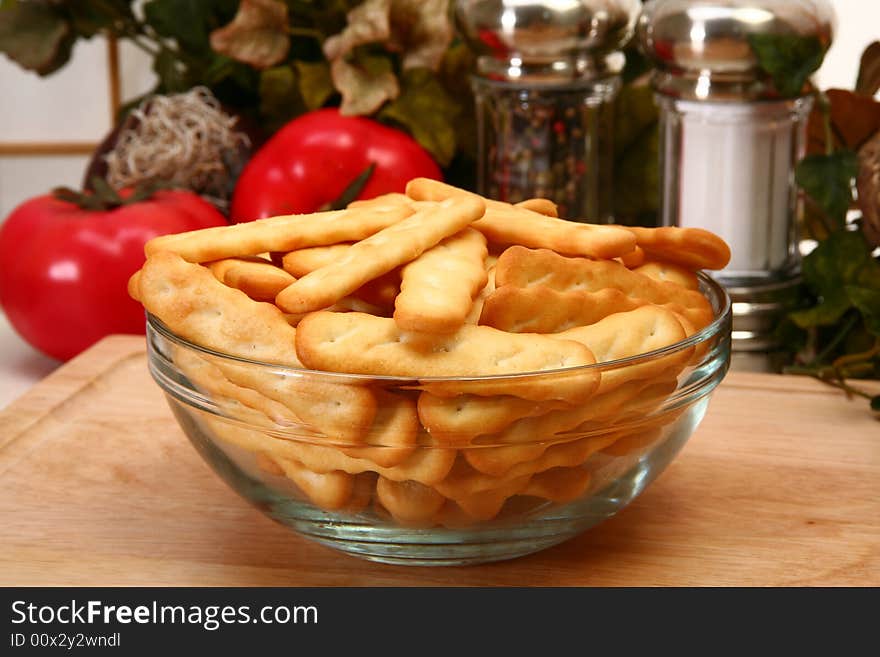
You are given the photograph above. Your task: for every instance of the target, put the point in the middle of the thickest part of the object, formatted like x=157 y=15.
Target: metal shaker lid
x=701 y=48
x=546 y=40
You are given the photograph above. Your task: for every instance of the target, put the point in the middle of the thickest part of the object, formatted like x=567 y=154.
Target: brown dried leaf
x=367 y=23
x=365 y=83
x=869 y=189
x=869 y=71
x=421 y=31
x=257 y=35
x=854 y=119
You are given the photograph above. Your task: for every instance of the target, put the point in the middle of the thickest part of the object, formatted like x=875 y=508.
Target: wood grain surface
x=779 y=486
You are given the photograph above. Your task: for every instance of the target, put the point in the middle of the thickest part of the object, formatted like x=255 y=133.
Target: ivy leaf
x=867 y=300
x=789 y=59
x=869 y=71
x=315 y=85
x=257 y=35
x=828 y=181
x=280 y=99
x=35 y=36
x=428 y=112
x=841 y=273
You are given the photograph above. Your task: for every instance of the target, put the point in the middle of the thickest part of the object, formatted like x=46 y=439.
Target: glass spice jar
x=547 y=75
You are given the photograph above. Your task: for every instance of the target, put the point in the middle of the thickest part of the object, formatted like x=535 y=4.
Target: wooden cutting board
x=98 y=486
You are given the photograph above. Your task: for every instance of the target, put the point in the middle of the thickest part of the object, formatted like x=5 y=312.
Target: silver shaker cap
x=546 y=41
x=701 y=48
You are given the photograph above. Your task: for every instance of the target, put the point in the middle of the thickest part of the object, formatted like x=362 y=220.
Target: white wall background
x=73 y=104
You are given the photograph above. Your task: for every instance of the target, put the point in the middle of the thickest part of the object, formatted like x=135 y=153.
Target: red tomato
x=311 y=160
x=64 y=270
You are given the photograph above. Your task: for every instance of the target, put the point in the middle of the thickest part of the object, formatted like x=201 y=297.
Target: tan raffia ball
x=185 y=140
x=869 y=189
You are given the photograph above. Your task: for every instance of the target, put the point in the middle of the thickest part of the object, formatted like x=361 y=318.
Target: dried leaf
x=869 y=71
x=257 y=35
x=421 y=31
x=868 y=184
x=367 y=23
x=854 y=120
x=365 y=81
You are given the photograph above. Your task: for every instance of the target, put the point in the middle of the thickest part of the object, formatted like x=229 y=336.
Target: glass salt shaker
x=730 y=143
x=547 y=74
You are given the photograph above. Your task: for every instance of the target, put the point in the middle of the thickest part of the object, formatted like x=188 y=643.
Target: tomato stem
x=104 y=197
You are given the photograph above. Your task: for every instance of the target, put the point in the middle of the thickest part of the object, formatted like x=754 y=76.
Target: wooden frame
x=50 y=148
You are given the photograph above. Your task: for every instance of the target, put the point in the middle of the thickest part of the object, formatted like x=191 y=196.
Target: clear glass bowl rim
x=721 y=321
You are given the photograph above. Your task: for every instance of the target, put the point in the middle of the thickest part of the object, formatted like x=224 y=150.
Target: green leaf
x=636 y=159
x=89 y=18
x=184 y=20
x=427 y=111
x=841 y=273
x=867 y=300
x=788 y=58
x=36 y=36
x=315 y=85
x=353 y=189
x=258 y=35
x=171 y=72
x=828 y=181
x=280 y=100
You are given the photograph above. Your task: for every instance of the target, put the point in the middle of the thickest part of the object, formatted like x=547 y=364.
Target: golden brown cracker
x=197 y=307
x=456 y=421
x=364 y=344
x=693 y=248
x=437 y=289
x=540 y=205
x=256 y=277
x=409 y=502
x=523 y=267
x=380 y=253
x=507 y=224
x=541 y=309
x=670 y=273
x=285 y=233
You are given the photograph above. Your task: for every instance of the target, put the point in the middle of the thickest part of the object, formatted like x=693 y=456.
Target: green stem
x=851 y=359
x=307 y=32
x=836 y=340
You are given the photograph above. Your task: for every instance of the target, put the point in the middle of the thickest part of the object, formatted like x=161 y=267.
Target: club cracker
x=507 y=224
x=522 y=267
x=256 y=277
x=380 y=253
x=197 y=307
x=285 y=233
x=363 y=344
x=693 y=248
x=670 y=273
x=541 y=309
x=437 y=289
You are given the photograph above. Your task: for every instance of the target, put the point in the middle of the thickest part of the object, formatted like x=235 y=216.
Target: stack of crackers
x=485 y=314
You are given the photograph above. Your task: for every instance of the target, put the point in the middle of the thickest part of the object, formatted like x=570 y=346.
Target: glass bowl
x=442 y=471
